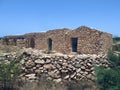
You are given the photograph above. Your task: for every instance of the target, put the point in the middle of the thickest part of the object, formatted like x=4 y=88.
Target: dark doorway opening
x=32 y=43
x=6 y=41
x=49 y=44
x=74 y=42
x=14 y=42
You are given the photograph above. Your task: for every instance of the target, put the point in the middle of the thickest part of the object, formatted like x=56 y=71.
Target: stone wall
x=17 y=40
x=58 y=67
x=89 y=41
x=0 y=41
x=58 y=38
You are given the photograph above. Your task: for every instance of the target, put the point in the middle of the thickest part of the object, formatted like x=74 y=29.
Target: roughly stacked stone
x=89 y=40
x=59 y=67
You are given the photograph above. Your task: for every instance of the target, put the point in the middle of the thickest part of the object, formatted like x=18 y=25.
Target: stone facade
x=82 y=40
x=57 y=67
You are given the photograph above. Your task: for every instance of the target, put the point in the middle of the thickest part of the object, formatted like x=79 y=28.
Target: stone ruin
x=56 y=67
x=78 y=51
x=82 y=40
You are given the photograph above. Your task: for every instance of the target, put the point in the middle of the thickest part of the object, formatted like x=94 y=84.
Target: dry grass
x=50 y=85
x=8 y=49
x=43 y=86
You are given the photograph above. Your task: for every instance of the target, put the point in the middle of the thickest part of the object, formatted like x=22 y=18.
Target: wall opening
x=49 y=44
x=14 y=42
x=6 y=41
x=32 y=43
x=74 y=42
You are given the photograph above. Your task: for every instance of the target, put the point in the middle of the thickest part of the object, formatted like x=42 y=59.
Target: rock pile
x=59 y=67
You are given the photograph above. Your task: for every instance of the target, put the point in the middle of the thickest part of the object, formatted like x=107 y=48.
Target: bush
x=116 y=39
x=116 y=47
x=114 y=59
x=109 y=78
x=9 y=72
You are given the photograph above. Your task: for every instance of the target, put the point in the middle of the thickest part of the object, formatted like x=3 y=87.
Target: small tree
x=9 y=72
x=109 y=79
x=113 y=59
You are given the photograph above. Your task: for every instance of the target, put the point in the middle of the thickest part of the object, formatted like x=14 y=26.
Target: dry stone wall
x=58 y=38
x=58 y=67
x=1 y=41
x=89 y=41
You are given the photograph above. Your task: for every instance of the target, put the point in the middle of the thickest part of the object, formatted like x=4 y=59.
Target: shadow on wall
x=49 y=44
x=32 y=43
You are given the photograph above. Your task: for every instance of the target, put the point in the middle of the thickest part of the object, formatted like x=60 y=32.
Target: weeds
x=109 y=78
x=116 y=39
x=9 y=72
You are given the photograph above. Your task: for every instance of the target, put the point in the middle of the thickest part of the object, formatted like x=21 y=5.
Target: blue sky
x=24 y=16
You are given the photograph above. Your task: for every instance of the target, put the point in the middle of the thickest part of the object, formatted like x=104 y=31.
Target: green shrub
x=116 y=47
x=9 y=72
x=116 y=39
x=109 y=78
x=113 y=59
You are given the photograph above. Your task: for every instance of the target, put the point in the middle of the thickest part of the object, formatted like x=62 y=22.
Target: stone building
x=82 y=40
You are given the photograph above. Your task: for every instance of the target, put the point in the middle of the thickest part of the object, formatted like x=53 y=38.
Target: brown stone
x=57 y=80
x=39 y=61
x=88 y=41
x=54 y=74
x=48 y=66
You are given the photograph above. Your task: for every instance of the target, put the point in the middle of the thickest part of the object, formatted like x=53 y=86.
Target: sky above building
x=25 y=16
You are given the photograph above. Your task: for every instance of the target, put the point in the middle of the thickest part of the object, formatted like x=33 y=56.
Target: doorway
x=49 y=44
x=74 y=42
x=32 y=43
